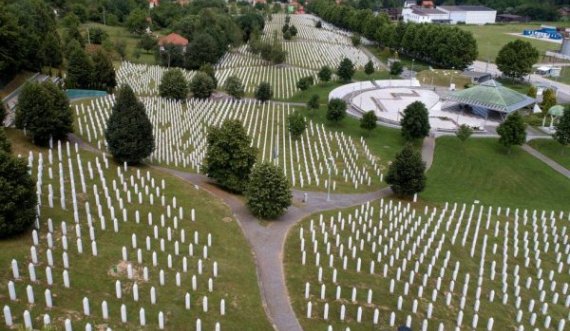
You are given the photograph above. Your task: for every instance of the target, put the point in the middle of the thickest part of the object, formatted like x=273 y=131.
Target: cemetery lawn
x=385 y=54
x=480 y=169
x=94 y=277
x=383 y=142
x=553 y=150
x=491 y=38
x=118 y=33
x=297 y=275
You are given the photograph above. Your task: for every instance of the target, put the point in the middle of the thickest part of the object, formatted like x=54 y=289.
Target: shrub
x=406 y=175
x=325 y=74
x=173 y=85
x=345 y=70
x=313 y=102
x=396 y=68
x=512 y=131
x=234 y=87
x=415 y=123
x=368 y=121
x=202 y=85
x=336 y=110
x=464 y=132
x=297 y=124
x=264 y=92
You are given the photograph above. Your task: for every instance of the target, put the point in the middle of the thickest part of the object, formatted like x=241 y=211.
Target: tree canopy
x=516 y=58
x=129 y=131
x=336 y=110
x=406 y=175
x=297 y=124
x=415 y=122
x=173 y=85
x=229 y=156
x=562 y=134
x=512 y=131
x=264 y=92
x=268 y=192
x=368 y=120
x=202 y=85
x=43 y=111
x=234 y=87
x=345 y=70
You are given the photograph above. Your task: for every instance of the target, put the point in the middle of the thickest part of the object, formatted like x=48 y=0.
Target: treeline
x=440 y=45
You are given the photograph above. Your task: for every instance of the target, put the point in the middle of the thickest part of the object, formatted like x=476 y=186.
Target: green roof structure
x=556 y=111
x=492 y=95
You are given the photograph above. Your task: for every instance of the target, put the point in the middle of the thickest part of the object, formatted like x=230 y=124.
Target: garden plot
x=386 y=264
x=180 y=131
x=116 y=248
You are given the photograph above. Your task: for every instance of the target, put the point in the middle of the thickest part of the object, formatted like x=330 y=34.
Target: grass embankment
x=94 y=277
x=553 y=150
x=480 y=169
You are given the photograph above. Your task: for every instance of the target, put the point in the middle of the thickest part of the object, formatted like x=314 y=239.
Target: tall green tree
x=136 y=21
x=10 y=43
x=264 y=92
x=79 y=70
x=3 y=113
x=229 y=156
x=5 y=145
x=173 y=85
x=512 y=131
x=234 y=87
x=562 y=134
x=516 y=58
x=406 y=175
x=17 y=196
x=345 y=70
x=336 y=110
x=415 y=122
x=129 y=131
x=268 y=193
x=43 y=111
x=203 y=49
x=104 y=76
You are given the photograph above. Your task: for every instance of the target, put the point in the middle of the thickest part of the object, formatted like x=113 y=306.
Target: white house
x=478 y=15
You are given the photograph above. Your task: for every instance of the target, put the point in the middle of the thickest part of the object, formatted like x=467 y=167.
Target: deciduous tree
x=415 y=122
x=406 y=175
x=512 y=131
x=264 y=92
x=368 y=121
x=516 y=58
x=268 y=193
x=345 y=70
x=234 y=87
x=202 y=85
x=173 y=85
x=336 y=110
x=229 y=156
x=562 y=134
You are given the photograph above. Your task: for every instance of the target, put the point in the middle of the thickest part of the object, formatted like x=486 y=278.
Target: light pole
x=451 y=77
x=330 y=159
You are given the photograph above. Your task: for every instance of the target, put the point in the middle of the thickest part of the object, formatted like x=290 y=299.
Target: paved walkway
x=550 y=162
x=268 y=241
x=428 y=150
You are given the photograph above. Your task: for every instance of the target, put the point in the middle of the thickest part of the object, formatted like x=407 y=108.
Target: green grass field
x=553 y=150
x=443 y=78
x=94 y=277
x=491 y=38
x=480 y=169
x=118 y=33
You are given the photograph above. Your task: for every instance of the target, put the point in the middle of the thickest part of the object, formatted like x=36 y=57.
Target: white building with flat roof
x=478 y=15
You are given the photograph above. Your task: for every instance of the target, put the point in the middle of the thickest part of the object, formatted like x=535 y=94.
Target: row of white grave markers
x=459 y=266
x=162 y=248
x=180 y=132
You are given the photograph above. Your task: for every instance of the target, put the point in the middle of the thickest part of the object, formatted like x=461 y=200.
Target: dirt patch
x=227 y=219
x=120 y=270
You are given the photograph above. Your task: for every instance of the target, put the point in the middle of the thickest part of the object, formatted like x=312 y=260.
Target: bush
x=464 y=132
x=264 y=92
x=129 y=131
x=562 y=134
x=229 y=156
x=313 y=102
x=297 y=124
x=336 y=110
x=202 y=85
x=548 y=100
x=17 y=196
x=406 y=175
x=368 y=121
x=234 y=87
x=396 y=68
x=355 y=40
x=287 y=35
x=319 y=24
x=268 y=193
x=415 y=123
x=325 y=74
x=97 y=35
x=304 y=83
x=173 y=85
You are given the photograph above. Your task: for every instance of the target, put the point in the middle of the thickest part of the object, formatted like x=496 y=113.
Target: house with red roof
x=173 y=39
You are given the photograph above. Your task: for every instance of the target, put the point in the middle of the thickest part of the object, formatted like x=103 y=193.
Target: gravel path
x=550 y=162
